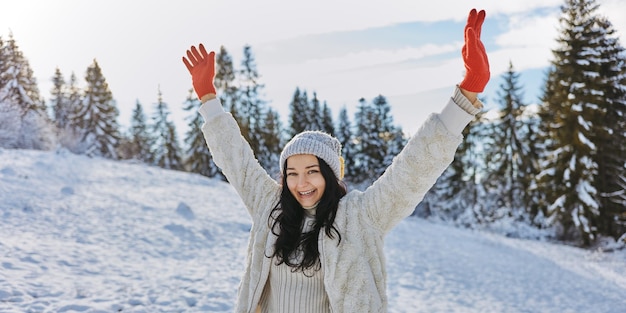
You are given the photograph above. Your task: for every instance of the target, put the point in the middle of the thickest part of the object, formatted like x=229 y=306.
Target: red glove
x=474 y=54
x=202 y=69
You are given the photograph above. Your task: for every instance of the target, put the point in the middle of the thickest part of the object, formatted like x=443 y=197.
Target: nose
x=302 y=180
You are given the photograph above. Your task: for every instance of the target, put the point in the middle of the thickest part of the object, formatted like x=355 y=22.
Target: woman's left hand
x=474 y=55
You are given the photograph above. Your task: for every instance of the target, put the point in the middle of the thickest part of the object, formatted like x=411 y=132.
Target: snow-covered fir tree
x=70 y=136
x=260 y=134
x=529 y=171
x=611 y=140
x=391 y=136
x=24 y=121
x=9 y=112
x=508 y=156
x=165 y=150
x=377 y=139
x=328 y=125
x=574 y=117
x=345 y=137
x=249 y=105
x=63 y=110
x=173 y=158
x=59 y=101
x=139 y=136
x=271 y=143
x=256 y=120
x=309 y=114
x=96 y=119
x=198 y=157
x=225 y=76
x=316 y=113
x=366 y=152
x=299 y=113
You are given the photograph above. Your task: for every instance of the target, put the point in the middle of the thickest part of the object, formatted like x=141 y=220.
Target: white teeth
x=306 y=193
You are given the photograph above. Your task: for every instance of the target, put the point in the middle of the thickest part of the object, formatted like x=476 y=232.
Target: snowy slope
x=91 y=235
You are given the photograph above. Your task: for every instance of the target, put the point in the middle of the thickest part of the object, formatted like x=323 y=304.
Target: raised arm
x=230 y=151
x=431 y=150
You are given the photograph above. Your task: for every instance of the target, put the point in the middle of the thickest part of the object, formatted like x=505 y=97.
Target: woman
x=313 y=247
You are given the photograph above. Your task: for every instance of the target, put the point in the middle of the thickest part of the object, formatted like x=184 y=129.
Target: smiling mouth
x=306 y=193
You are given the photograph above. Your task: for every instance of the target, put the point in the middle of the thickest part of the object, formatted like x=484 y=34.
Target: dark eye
x=313 y=171
x=292 y=174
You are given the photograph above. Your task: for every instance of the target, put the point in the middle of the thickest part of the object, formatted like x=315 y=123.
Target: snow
x=80 y=234
x=584 y=140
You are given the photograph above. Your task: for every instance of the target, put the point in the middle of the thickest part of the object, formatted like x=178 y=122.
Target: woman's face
x=304 y=179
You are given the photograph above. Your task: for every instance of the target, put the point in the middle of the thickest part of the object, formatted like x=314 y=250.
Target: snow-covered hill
x=82 y=234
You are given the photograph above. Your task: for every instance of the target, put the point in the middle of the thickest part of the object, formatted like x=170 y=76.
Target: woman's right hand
x=201 y=66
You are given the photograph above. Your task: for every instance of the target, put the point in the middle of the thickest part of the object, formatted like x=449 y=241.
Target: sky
x=405 y=50
x=106 y=236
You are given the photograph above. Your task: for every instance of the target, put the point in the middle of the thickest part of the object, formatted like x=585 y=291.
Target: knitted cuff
x=464 y=103
x=210 y=109
x=457 y=113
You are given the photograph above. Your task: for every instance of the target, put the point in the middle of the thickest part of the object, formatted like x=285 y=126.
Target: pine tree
x=225 y=78
x=65 y=101
x=75 y=98
x=97 y=117
x=316 y=114
x=536 y=200
x=24 y=122
x=574 y=112
x=139 y=135
x=308 y=114
x=250 y=109
x=199 y=159
x=328 y=125
x=70 y=136
x=507 y=157
x=17 y=81
x=253 y=114
x=271 y=143
x=59 y=100
x=260 y=136
x=345 y=137
x=4 y=57
x=173 y=159
x=611 y=139
x=298 y=113
x=378 y=140
x=9 y=112
x=391 y=138
x=165 y=150
x=365 y=152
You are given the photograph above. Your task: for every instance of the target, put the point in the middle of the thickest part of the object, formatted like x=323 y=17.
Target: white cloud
x=514 y=7
x=527 y=43
x=615 y=11
x=526 y=30
x=373 y=58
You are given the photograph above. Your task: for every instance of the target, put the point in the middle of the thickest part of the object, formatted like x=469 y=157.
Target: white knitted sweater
x=354 y=270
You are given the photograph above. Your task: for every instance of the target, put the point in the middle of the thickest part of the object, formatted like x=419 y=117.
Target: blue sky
x=343 y=50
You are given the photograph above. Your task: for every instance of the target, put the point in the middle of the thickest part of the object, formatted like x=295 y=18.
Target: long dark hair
x=288 y=217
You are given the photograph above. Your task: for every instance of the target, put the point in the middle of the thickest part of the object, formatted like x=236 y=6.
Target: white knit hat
x=317 y=143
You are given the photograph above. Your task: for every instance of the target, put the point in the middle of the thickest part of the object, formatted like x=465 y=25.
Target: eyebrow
x=306 y=168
